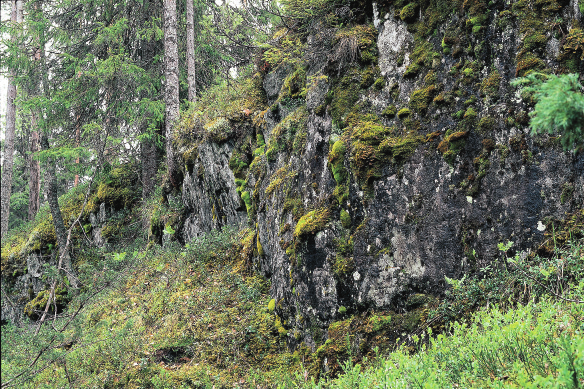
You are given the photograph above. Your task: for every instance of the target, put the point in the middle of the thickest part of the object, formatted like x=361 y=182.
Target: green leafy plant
x=559 y=107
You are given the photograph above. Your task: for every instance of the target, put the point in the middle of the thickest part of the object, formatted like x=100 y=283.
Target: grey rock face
x=209 y=193
x=419 y=221
x=393 y=40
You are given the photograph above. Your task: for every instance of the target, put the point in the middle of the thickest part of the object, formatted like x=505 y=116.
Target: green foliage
x=305 y=12
x=526 y=347
x=559 y=108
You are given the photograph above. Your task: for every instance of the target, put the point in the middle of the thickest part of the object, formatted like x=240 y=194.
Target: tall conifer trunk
x=191 y=51
x=6 y=187
x=149 y=154
x=171 y=97
x=34 y=169
x=60 y=230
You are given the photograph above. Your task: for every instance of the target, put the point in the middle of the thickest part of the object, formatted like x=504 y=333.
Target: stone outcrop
x=472 y=177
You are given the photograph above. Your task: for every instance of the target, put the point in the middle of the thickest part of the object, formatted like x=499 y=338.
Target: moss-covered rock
x=35 y=308
x=312 y=222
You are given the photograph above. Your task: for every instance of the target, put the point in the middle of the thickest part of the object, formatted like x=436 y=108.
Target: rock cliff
x=393 y=154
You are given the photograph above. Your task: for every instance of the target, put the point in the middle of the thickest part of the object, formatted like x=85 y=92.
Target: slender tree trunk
x=77 y=139
x=171 y=98
x=53 y=200
x=191 y=51
x=6 y=186
x=64 y=259
x=34 y=168
x=149 y=156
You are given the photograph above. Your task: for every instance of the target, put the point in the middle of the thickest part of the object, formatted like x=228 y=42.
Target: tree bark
x=191 y=52
x=171 y=90
x=6 y=186
x=149 y=156
x=53 y=200
x=34 y=169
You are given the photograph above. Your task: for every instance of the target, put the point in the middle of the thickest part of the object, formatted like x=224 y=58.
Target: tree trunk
x=53 y=200
x=34 y=168
x=171 y=98
x=191 y=52
x=6 y=187
x=149 y=156
x=77 y=138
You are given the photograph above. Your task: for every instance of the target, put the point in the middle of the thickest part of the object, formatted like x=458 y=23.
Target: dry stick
x=84 y=233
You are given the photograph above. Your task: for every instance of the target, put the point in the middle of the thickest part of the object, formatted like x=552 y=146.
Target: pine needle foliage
x=559 y=107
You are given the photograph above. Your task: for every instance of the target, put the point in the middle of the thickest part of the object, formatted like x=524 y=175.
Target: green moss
x=377 y=323
x=389 y=111
x=421 y=57
x=237 y=164
x=295 y=85
x=336 y=159
x=341 y=193
x=408 y=13
x=567 y=192
x=490 y=85
x=430 y=78
x=366 y=162
x=421 y=98
x=281 y=177
x=400 y=149
x=486 y=125
x=343 y=265
x=367 y=78
x=572 y=51
x=344 y=96
x=403 y=113
x=260 y=139
x=364 y=36
x=342 y=310
x=247 y=200
x=294 y=206
x=260 y=248
x=470 y=113
x=320 y=110
x=535 y=18
x=312 y=222
x=272 y=305
x=452 y=144
x=345 y=219
x=472 y=100
x=527 y=64
x=379 y=83
x=443 y=98
x=370 y=132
